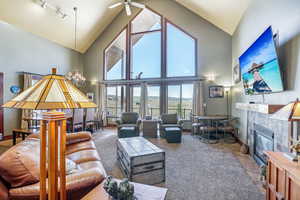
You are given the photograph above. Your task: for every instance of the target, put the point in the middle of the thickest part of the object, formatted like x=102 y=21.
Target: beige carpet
x=194 y=170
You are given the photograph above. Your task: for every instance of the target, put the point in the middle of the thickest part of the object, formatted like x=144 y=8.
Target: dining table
x=213 y=121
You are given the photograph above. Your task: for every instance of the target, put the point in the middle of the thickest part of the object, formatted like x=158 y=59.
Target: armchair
x=169 y=121
x=129 y=121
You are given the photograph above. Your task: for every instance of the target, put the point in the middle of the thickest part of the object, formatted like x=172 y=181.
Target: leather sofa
x=19 y=168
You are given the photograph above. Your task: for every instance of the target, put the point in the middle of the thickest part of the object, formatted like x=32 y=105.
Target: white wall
x=284 y=16
x=22 y=51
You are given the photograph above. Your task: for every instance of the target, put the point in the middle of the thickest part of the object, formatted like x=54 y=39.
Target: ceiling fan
x=127 y=4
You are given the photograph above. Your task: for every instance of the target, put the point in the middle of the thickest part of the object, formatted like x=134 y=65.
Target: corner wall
x=284 y=16
x=214 y=47
x=23 y=51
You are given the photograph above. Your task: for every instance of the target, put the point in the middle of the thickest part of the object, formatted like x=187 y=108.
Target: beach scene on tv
x=259 y=65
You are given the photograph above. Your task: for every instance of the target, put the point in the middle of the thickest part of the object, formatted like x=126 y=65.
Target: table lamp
x=291 y=113
x=52 y=92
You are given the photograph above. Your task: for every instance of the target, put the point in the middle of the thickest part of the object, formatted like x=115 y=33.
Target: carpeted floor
x=194 y=170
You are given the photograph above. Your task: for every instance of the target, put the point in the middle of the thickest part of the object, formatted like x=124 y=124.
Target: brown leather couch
x=19 y=168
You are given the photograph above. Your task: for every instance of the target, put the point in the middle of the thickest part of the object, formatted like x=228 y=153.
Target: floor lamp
x=227 y=92
x=50 y=93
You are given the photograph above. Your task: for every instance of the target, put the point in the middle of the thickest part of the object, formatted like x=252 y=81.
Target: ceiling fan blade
x=128 y=10
x=138 y=5
x=115 y=5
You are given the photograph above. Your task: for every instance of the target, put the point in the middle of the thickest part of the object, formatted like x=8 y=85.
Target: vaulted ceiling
x=94 y=16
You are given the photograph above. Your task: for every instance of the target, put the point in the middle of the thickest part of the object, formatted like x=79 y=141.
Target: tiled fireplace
x=264 y=134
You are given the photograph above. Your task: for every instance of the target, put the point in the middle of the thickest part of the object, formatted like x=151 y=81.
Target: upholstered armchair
x=168 y=120
x=129 y=119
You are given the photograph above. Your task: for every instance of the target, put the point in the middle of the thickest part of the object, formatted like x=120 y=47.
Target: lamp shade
x=52 y=92
x=290 y=112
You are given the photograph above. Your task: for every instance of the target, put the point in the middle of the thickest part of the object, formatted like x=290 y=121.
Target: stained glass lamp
x=291 y=113
x=52 y=92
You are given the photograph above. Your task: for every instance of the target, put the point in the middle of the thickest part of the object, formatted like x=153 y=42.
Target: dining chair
x=78 y=120
x=90 y=120
x=196 y=124
x=228 y=126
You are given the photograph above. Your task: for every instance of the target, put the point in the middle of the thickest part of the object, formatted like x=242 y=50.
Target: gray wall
x=214 y=46
x=22 y=51
x=284 y=16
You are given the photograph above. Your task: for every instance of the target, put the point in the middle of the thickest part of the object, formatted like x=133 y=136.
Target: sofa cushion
x=78 y=184
x=19 y=165
x=84 y=156
x=88 y=145
x=92 y=164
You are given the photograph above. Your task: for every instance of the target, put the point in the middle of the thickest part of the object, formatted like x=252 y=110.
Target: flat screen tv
x=260 y=68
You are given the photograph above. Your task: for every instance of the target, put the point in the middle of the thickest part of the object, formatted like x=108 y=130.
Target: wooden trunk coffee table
x=141 y=191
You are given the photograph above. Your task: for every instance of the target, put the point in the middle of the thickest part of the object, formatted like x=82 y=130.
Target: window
x=174 y=105
x=154 y=101
x=186 y=100
x=151 y=48
x=181 y=53
x=115 y=58
x=136 y=99
x=146 y=55
x=146 y=45
x=115 y=101
x=180 y=100
x=146 y=21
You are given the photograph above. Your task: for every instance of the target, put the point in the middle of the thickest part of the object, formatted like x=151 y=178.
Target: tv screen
x=259 y=65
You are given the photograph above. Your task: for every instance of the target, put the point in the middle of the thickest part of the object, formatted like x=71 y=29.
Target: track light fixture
x=44 y=4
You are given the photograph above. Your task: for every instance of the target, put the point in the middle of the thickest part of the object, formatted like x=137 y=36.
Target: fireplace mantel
x=261 y=108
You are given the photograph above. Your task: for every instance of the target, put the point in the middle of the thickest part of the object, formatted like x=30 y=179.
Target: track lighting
x=44 y=4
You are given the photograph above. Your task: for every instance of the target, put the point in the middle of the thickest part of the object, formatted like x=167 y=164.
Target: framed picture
x=90 y=96
x=236 y=74
x=216 y=91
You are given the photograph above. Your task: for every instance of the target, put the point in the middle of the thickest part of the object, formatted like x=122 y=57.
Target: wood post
x=53 y=124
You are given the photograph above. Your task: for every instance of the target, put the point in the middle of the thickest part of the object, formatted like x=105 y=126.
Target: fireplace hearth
x=263 y=140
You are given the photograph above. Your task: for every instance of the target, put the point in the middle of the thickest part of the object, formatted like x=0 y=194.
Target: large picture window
x=180 y=100
x=181 y=53
x=115 y=58
x=158 y=52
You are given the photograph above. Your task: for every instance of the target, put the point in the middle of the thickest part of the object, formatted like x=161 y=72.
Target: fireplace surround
x=263 y=140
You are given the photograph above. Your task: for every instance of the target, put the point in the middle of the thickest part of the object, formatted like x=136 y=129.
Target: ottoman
x=173 y=134
x=127 y=131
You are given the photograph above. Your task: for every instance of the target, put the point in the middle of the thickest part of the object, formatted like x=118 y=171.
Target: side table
x=150 y=128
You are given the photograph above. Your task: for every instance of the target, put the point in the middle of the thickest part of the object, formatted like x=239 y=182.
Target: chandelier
x=76 y=77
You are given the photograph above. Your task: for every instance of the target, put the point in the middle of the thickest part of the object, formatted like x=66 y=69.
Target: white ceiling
x=94 y=16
